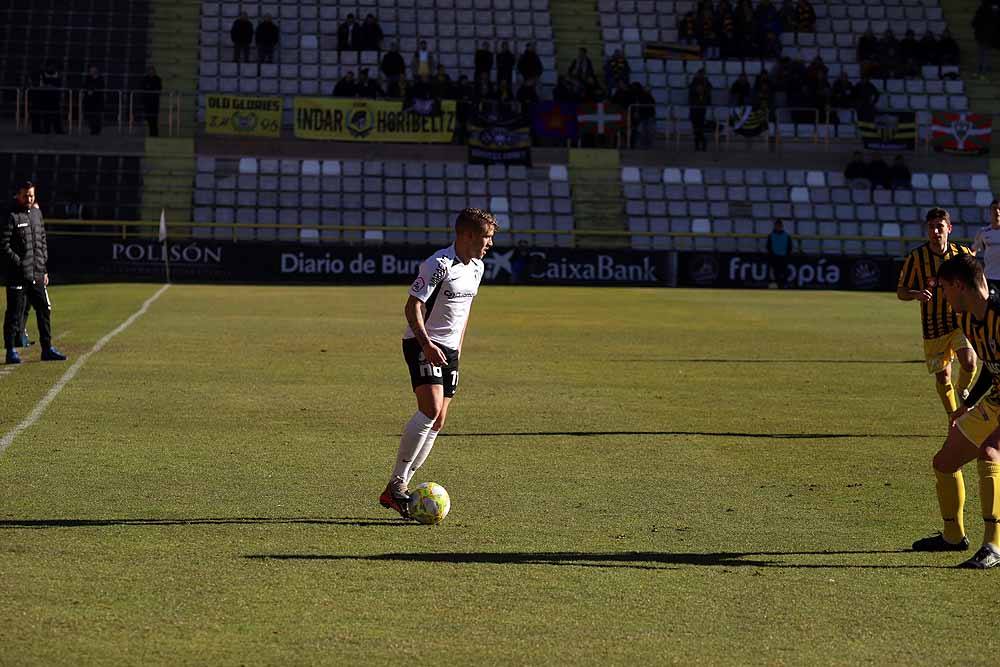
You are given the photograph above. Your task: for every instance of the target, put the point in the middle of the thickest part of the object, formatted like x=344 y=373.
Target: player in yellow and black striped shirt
x=943 y=340
x=974 y=433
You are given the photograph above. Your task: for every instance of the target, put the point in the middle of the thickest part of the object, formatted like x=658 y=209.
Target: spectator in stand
x=985 y=28
x=699 y=98
x=910 y=59
x=616 y=69
x=267 y=39
x=643 y=116
x=366 y=87
x=789 y=16
x=484 y=91
x=370 y=36
x=857 y=171
x=622 y=96
x=48 y=100
x=767 y=23
x=564 y=91
x=593 y=92
x=441 y=86
x=822 y=95
x=807 y=17
x=948 y=51
x=817 y=68
x=581 y=68
x=725 y=23
x=899 y=175
x=505 y=98
x=763 y=90
x=747 y=45
x=420 y=97
x=93 y=99
x=687 y=32
x=349 y=35
x=879 y=173
x=889 y=56
x=929 y=49
x=779 y=247
x=506 y=61
x=866 y=96
x=346 y=87
x=842 y=95
x=529 y=65
x=484 y=61
x=393 y=67
x=771 y=47
x=868 y=49
x=242 y=36
x=708 y=37
x=741 y=93
x=422 y=62
x=151 y=86
x=527 y=97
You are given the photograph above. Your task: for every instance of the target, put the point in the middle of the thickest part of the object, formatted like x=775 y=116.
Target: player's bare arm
x=907 y=294
x=414 y=311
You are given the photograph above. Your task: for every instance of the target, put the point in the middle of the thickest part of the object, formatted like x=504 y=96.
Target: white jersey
x=447 y=288
x=987 y=247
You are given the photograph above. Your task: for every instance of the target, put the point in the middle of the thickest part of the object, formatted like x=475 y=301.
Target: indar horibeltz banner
x=243 y=115
x=499 y=140
x=371 y=120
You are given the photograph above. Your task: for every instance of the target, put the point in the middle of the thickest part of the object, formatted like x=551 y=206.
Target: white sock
x=414 y=433
x=425 y=449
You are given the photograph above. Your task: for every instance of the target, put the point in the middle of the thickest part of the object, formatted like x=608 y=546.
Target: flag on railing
x=600 y=118
x=748 y=121
x=965 y=133
x=556 y=120
x=889 y=131
x=499 y=142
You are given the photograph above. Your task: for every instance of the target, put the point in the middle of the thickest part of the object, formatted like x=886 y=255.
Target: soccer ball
x=429 y=503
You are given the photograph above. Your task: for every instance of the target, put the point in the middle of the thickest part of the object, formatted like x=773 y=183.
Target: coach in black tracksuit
x=25 y=252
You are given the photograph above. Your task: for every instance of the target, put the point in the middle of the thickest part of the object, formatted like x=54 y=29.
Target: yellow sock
x=989 y=496
x=964 y=379
x=951 y=500
x=947 y=394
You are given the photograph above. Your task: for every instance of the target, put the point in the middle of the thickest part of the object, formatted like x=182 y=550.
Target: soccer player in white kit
x=987 y=247
x=437 y=312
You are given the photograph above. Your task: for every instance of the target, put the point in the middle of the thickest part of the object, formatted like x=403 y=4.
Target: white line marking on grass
x=36 y=414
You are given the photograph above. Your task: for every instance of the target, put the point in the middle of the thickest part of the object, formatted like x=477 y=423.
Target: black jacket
x=23 y=245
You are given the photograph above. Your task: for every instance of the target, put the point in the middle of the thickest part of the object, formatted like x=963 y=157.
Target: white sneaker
x=988 y=556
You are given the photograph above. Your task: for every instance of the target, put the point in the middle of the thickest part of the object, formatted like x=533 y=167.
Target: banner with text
x=243 y=115
x=371 y=120
x=832 y=272
x=889 y=131
x=101 y=259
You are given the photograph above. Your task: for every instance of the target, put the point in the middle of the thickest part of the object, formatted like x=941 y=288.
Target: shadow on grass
x=687 y=360
x=719 y=434
x=101 y=523
x=639 y=560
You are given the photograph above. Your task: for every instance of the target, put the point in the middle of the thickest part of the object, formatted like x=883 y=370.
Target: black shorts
x=423 y=372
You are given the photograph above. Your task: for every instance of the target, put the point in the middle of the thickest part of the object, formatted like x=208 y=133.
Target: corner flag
x=163 y=225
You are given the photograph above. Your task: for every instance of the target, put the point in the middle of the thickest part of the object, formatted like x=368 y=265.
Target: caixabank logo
x=866 y=274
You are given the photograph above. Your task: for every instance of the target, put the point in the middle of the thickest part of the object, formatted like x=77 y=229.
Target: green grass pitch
x=637 y=476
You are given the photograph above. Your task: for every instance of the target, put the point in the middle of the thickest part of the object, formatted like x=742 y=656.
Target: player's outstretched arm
x=414 y=311
x=907 y=294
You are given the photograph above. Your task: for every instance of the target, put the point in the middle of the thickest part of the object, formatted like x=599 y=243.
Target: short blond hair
x=472 y=218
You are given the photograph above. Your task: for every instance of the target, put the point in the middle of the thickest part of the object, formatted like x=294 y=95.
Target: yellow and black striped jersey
x=920 y=272
x=984 y=335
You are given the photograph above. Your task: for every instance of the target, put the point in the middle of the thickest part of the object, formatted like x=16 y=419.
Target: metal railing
x=187 y=231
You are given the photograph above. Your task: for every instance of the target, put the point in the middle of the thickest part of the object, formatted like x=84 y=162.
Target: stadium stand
x=815 y=203
x=308 y=195
x=111 y=34
x=106 y=187
x=629 y=24
x=308 y=63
